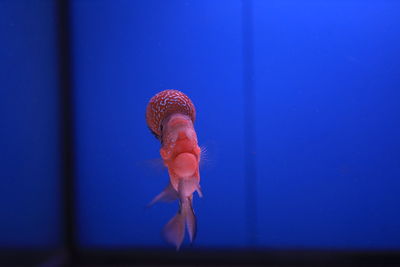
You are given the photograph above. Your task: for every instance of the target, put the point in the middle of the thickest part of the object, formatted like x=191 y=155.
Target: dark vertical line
x=249 y=120
x=66 y=126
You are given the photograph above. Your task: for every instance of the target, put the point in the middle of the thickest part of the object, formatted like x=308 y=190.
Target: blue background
x=323 y=84
x=30 y=186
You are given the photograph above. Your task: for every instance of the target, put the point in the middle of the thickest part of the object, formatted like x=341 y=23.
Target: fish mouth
x=185 y=164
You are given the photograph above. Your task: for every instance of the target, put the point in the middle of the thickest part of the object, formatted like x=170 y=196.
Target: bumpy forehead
x=163 y=105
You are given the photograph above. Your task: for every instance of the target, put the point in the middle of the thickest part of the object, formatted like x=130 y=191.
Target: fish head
x=180 y=151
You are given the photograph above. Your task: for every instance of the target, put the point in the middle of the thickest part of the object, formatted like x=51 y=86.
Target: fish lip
x=185 y=164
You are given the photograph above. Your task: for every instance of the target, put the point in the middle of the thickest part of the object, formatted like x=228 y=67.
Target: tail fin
x=174 y=230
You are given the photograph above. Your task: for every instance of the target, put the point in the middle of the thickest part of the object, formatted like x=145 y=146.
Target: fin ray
x=167 y=195
x=190 y=219
x=174 y=230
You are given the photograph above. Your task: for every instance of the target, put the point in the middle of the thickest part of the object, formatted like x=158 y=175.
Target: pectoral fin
x=198 y=189
x=167 y=195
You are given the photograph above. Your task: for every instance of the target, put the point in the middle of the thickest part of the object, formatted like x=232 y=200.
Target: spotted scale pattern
x=164 y=104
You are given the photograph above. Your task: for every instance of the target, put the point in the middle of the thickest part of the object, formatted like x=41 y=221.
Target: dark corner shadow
x=32 y=257
x=238 y=257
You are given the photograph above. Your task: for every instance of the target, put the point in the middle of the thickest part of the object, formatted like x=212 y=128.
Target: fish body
x=170 y=115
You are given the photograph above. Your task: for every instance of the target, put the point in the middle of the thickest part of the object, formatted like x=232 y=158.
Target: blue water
x=30 y=207
x=297 y=103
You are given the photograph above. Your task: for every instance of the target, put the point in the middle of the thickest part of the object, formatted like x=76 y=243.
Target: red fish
x=170 y=115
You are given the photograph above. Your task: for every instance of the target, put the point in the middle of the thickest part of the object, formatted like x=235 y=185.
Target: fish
x=170 y=116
